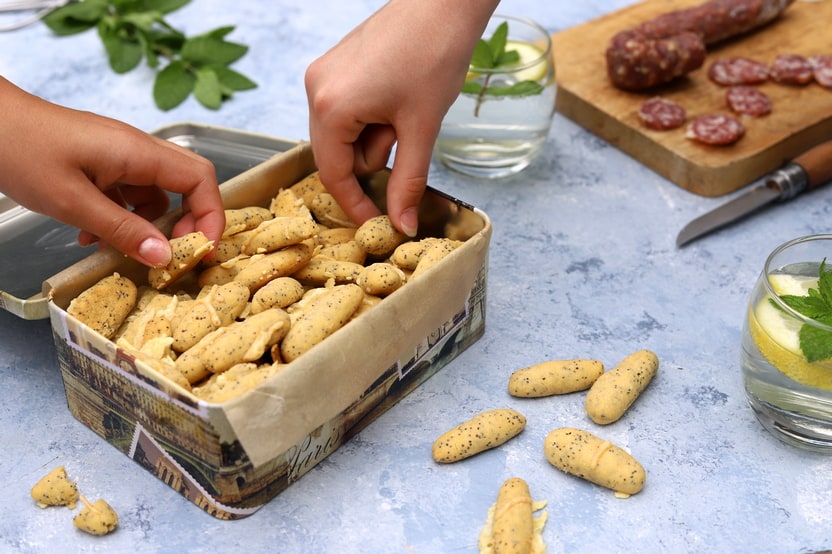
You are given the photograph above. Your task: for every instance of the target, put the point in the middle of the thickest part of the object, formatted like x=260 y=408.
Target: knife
x=808 y=171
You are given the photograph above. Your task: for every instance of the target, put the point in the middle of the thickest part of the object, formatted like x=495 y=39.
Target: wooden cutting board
x=801 y=115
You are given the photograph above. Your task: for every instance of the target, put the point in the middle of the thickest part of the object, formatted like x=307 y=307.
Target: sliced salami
x=747 y=100
x=717 y=129
x=822 y=69
x=791 y=69
x=661 y=114
x=737 y=71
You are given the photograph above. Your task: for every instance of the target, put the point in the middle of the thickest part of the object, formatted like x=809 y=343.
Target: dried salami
x=822 y=69
x=716 y=129
x=674 y=43
x=661 y=114
x=747 y=100
x=791 y=69
x=737 y=71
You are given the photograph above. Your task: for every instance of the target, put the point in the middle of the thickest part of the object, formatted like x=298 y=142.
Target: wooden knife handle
x=817 y=163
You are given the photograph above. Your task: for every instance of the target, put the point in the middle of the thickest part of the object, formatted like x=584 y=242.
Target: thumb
x=407 y=183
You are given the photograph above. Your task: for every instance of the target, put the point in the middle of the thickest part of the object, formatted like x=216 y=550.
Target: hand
x=391 y=80
x=85 y=170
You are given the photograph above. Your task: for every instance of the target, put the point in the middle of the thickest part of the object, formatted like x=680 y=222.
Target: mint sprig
x=492 y=54
x=815 y=343
x=133 y=30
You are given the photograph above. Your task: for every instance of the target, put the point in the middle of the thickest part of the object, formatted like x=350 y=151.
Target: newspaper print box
x=232 y=458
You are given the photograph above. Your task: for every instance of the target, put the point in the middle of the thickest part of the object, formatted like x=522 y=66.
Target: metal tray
x=39 y=246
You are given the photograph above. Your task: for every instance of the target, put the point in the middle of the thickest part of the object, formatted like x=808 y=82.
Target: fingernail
x=155 y=252
x=410 y=222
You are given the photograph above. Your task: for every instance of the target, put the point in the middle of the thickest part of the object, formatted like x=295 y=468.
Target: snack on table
x=615 y=391
x=511 y=526
x=482 y=432
x=554 y=377
x=55 y=489
x=97 y=518
x=589 y=457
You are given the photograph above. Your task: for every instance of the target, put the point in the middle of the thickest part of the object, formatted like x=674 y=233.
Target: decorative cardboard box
x=231 y=458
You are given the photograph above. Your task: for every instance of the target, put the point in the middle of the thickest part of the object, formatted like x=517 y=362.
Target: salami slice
x=747 y=100
x=791 y=69
x=661 y=114
x=717 y=129
x=822 y=69
x=737 y=71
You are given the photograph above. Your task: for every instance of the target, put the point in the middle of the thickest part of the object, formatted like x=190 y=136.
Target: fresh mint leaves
x=133 y=30
x=491 y=54
x=815 y=343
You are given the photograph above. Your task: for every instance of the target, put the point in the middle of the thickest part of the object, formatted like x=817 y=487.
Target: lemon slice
x=528 y=53
x=777 y=335
x=784 y=284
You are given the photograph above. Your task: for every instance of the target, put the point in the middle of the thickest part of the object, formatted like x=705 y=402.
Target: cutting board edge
x=709 y=181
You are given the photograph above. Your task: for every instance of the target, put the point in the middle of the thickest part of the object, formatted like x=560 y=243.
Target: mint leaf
x=76 y=17
x=164 y=6
x=132 y=30
x=143 y=20
x=482 y=56
x=173 y=85
x=521 y=88
x=815 y=343
x=124 y=54
x=207 y=89
x=497 y=43
x=811 y=306
x=233 y=80
x=210 y=48
x=825 y=283
x=508 y=58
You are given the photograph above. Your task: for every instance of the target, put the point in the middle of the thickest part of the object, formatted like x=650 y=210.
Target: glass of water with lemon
x=787 y=343
x=502 y=116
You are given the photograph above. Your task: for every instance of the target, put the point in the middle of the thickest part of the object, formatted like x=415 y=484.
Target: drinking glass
x=787 y=354
x=501 y=119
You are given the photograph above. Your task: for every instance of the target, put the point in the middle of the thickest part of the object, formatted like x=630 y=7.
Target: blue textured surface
x=583 y=263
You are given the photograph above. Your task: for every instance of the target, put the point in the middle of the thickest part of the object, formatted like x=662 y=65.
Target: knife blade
x=807 y=171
